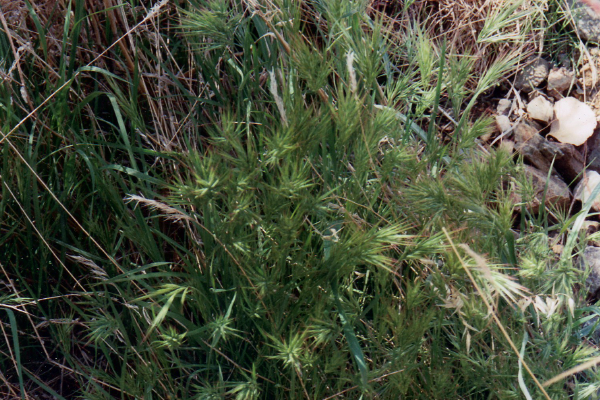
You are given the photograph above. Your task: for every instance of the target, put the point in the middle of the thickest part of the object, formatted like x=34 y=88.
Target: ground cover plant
x=278 y=199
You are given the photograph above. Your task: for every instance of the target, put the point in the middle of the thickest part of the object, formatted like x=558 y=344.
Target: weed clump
x=257 y=199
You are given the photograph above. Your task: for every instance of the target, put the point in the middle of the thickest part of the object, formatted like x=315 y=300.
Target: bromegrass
x=256 y=199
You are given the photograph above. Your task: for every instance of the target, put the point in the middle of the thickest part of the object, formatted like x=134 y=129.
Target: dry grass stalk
x=170 y=213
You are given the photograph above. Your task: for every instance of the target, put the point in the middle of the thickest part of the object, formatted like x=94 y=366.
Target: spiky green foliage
x=250 y=200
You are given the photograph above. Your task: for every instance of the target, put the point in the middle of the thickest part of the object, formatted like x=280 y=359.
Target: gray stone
x=559 y=81
x=564 y=61
x=593 y=148
x=591 y=260
x=586 y=15
x=594 y=160
x=593 y=141
x=540 y=152
x=568 y=161
x=532 y=75
x=528 y=143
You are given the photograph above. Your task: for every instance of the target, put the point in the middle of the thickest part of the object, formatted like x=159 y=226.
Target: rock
x=583 y=191
x=485 y=137
x=593 y=141
x=559 y=81
x=593 y=155
x=591 y=260
x=540 y=153
x=540 y=109
x=507 y=146
x=504 y=106
x=594 y=160
x=586 y=16
x=532 y=75
x=568 y=161
x=557 y=193
x=528 y=143
x=503 y=123
x=591 y=227
x=564 y=61
x=588 y=73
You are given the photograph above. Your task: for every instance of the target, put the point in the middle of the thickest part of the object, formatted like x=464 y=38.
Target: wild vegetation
x=278 y=199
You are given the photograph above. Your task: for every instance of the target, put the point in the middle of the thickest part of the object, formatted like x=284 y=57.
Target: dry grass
x=258 y=199
x=462 y=24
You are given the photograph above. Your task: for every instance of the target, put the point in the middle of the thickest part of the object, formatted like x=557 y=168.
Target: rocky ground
x=549 y=116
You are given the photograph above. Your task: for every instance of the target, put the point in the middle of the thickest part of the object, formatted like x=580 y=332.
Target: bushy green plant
x=249 y=200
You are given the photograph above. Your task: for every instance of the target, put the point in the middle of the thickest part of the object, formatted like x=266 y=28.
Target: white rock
x=504 y=106
x=507 y=145
x=540 y=109
x=574 y=121
x=584 y=189
x=503 y=123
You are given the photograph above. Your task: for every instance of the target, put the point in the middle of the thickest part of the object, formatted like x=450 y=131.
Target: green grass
x=255 y=200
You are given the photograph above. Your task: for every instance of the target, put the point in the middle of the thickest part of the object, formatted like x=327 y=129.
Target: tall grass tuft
x=255 y=199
